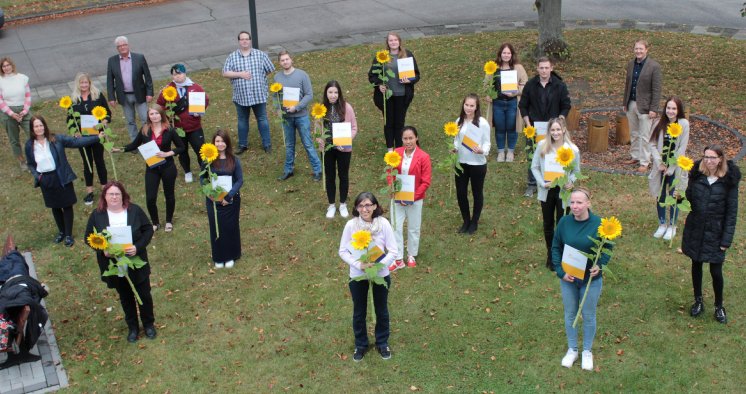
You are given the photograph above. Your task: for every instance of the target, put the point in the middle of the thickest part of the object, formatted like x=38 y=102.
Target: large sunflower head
x=610 y=228
x=361 y=239
x=684 y=163
x=383 y=57
x=318 y=111
x=97 y=241
x=674 y=130
x=451 y=129
x=275 y=87
x=65 y=102
x=208 y=152
x=565 y=156
x=529 y=132
x=170 y=93
x=392 y=159
x=490 y=67
x=99 y=112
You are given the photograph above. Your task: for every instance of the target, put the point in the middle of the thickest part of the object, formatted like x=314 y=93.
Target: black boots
x=697 y=307
x=720 y=314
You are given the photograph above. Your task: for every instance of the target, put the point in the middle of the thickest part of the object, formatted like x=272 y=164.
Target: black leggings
x=716 y=271
x=475 y=174
x=341 y=160
x=64 y=219
x=396 y=113
x=95 y=155
x=552 y=212
x=153 y=177
x=194 y=138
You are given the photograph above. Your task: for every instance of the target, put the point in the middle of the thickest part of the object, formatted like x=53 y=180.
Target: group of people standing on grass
x=711 y=186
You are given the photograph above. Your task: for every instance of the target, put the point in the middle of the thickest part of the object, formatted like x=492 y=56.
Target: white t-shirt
x=117 y=219
x=13 y=89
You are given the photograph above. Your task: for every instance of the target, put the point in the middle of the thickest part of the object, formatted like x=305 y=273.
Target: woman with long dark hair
x=226 y=249
x=505 y=106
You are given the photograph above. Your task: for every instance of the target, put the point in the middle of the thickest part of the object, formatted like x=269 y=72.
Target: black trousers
x=475 y=175
x=63 y=217
x=153 y=177
x=716 y=271
x=129 y=303
x=337 y=163
x=552 y=212
x=359 y=293
x=95 y=155
x=396 y=113
x=195 y=139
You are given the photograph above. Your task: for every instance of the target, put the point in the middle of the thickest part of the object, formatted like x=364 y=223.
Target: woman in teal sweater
x=574 y=231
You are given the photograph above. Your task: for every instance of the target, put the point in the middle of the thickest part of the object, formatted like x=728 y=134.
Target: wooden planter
x=598 y=134
x=622 y=129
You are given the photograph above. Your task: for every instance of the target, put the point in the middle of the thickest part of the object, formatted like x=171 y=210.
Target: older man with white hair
x=128 y=83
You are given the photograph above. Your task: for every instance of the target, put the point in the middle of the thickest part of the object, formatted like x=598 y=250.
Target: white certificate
x=225 y=182
x=406 y=193
x=197 y=103
x=509 y=81
x=406 y=67
x=574 y=262
x=120 y=235
x=552 y=168
x=342 y=134
x=88 y=124
x=541 y=130
x=149 y=151
x=290 y=96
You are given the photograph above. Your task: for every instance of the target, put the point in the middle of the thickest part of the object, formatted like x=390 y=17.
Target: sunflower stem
x=113 y=166
x=588 y=285
x=132 y=286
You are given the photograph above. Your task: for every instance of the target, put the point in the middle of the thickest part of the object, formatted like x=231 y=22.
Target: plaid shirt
x=253 y=91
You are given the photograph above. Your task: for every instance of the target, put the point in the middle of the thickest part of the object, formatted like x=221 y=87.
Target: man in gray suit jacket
x=642 y=96
x=128 y=83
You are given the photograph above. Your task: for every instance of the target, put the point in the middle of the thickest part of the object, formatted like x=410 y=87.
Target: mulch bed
x=701 y=133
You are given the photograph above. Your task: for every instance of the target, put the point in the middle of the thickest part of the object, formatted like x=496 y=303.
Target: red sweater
x=420 y=168
x=187 y=122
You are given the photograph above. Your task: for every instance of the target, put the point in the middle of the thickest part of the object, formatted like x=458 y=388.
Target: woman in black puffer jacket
x=709 y=228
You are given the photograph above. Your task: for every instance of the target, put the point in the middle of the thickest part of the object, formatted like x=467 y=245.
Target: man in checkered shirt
x=247 y=69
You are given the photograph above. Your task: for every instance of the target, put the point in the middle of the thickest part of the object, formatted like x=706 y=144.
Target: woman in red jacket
x=415 y=162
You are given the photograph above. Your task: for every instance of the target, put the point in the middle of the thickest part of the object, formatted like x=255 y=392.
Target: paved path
x=201 y=33
x=44 y=375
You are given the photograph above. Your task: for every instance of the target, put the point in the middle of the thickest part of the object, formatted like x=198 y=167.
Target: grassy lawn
x=479 y=314
x=21 y=8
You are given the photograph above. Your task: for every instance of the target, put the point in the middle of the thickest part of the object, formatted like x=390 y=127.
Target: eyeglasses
x=711 y=157
x=114 y=194
x=366 y=206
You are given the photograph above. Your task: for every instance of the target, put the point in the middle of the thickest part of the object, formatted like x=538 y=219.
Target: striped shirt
x=253 y=91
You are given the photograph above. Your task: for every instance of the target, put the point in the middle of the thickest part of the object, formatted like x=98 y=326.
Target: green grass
x=478 y=314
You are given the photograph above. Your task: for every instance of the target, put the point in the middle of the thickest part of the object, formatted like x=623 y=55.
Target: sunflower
x=529 y=132
x=565 y=156
x=610 y=228
x=318 y=111
x=66 y=102
x=451 y=129
x=99 y=112
x=170 y=94
x=490 y=67
x=208 y=152
x=361 y=239
x=392 y=159
x=98 y=241
x=685 y=163
x=383 y=56
x=275 y=87
x=674 y=130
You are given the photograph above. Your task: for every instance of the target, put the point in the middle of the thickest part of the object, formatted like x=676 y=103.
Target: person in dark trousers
x=128 y=82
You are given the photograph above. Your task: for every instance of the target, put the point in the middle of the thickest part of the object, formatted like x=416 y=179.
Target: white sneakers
x=343 y=210
x=219 y=265
x=500 y=156
x=227 y=264
x=510 y=156
x=188 y=178
x=660 y=231
x=670 y=233
x=572 y=355
x=331 y=211
x=587 y=362
x=569 y=358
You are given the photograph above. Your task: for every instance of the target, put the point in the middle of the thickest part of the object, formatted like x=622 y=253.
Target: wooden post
x=573 y=119
x=598 y=134
x=622 y=129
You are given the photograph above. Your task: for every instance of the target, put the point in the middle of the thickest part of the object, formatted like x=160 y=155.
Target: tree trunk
x=551 y=42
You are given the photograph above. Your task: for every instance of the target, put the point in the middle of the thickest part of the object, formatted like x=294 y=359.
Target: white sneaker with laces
x=670 y=233
x=500 y=156
x=331 y=211
x=660 y=231
x=219 y=265
x=188 y=178
x=587 y=362
x=343 y=210
x=569 y=358
x=229 y=264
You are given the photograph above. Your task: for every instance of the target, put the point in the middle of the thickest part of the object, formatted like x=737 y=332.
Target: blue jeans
x=503 y=116
x=260 y=114
x=359 y=293
x=662 y=198
x=571 y=296
x=303 y=125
